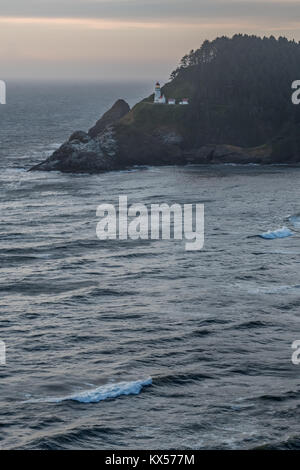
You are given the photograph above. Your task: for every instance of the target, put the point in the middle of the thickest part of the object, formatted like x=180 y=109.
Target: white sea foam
x=295 y=220
x=100 y=393
x=279 y=233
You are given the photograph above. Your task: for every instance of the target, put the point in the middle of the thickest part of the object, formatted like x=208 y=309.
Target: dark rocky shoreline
x=112 y=144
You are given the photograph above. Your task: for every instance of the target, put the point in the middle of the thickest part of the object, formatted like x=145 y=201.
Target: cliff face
x=286 y=146
x=118 y=110
x=111 y=145
x=122 y=139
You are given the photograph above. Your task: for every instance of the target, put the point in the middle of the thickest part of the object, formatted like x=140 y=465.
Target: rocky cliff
x=240 y=112
x=118 y=141
x=114 y=144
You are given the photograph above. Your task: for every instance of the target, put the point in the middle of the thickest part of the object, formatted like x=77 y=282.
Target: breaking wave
x=295 y=220
x=279 y=233
x=100 y=393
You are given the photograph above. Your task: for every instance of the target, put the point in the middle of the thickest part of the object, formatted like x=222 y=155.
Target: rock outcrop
x=217 y=154
x=91 y=152
x=123 y=138
x=111 y=145
x=114 y=114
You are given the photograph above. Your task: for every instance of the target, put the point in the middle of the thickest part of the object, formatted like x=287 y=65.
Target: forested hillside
x=239 y=89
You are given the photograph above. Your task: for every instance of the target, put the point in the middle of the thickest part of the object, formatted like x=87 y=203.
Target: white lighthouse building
x=161 y=99
x=158 y=97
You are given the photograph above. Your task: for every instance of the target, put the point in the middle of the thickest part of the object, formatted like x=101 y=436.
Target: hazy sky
x=121 y=39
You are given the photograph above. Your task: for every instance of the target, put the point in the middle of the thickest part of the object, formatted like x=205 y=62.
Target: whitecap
x=295 y=220
x=100 y=393
x=279 y=233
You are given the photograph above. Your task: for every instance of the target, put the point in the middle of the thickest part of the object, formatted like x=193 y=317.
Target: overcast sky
x=115 y=39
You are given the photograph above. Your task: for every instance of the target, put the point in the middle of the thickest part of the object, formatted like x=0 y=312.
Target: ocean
x=139 y=344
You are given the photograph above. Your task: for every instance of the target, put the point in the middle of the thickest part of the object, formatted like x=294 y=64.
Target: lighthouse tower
x=158 y=97
x=157 y=93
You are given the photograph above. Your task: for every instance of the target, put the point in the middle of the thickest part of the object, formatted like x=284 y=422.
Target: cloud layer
x=149 y=10
x=126 y=38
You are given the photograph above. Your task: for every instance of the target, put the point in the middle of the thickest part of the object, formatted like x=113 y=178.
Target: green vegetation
x=239 y=90
x=147 y=115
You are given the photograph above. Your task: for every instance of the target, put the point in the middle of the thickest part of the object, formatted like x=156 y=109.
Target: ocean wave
x=290 y=443
x=272 y=288
x=181 y=379
x=279 y=233
x=249 y=325
x=295 y=220
x=100 y=393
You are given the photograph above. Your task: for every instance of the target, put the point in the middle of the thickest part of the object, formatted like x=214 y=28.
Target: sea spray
x=100 y=393
x=279 y=233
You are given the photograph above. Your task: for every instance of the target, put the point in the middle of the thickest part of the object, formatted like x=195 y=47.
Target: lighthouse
x=158 y=97
x=161 y=99
x=157 y=93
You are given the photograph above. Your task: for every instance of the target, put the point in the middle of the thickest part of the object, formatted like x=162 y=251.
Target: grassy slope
x=149 y=117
